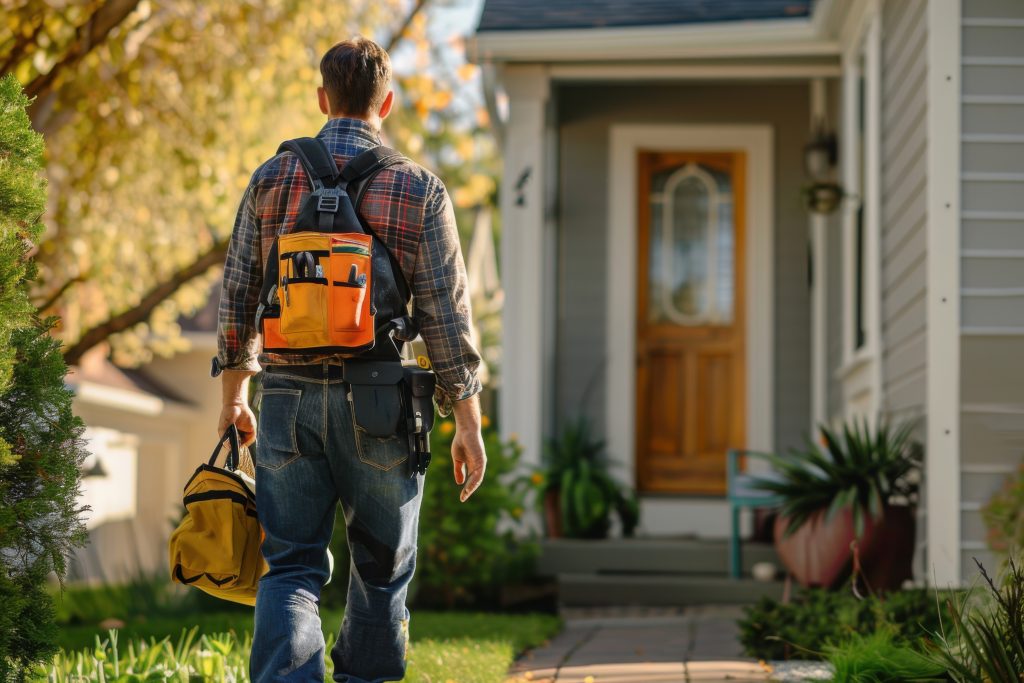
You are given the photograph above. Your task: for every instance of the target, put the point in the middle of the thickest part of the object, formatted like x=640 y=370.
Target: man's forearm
x=467 y=413
x=235 y=387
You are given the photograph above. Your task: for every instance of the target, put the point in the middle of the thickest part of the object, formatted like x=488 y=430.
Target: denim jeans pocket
x=279 y=410
x=382 y=453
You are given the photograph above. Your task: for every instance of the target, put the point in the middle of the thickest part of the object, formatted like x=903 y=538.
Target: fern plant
x=856 y=466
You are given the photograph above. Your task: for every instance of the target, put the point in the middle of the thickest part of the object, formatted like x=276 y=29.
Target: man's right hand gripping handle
x=235 y=405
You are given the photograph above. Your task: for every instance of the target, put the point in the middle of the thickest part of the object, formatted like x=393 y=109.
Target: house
x=664 y=276
x=147 y=429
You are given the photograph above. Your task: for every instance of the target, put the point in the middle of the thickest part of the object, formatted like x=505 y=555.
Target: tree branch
x=88 y=36
x=55 y=297
x=417 y=7
x=20 y=47
x=214 y=256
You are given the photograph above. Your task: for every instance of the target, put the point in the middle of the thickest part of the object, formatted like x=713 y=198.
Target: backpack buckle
x=329 y=200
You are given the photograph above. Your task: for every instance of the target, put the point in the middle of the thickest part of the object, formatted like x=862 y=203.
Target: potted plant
x=578 y=494
x=858 y=487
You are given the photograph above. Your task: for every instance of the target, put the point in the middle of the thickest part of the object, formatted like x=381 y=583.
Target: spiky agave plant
x=857 y=466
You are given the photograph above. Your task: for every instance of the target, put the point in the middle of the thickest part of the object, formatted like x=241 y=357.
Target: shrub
x=41 y=448
x=468 y=550
x=814 y=619
x=1004 y=515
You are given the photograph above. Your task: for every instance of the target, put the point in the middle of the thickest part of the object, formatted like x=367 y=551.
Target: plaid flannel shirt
x=409 y=209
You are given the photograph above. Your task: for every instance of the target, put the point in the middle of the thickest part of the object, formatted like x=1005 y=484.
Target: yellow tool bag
x=216 y=548
x=330 y=285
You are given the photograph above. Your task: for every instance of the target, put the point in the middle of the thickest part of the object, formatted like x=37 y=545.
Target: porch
x=660 y=572
x=681 y=331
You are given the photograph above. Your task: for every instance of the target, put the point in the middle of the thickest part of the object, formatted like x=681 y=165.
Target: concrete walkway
x=677 y=646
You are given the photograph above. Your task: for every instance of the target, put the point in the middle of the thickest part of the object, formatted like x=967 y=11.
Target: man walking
x=310 y=455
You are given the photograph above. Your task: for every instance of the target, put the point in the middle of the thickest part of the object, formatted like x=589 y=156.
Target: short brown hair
x=357 y=76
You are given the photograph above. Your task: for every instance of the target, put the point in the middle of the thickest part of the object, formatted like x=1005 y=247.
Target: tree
x=41 y=448
x=153 y=131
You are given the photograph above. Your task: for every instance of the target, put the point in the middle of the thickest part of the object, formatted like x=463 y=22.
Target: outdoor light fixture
x=97 y=470
x=822 y=195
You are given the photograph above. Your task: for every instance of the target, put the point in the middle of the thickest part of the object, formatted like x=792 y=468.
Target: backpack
x=330 y=284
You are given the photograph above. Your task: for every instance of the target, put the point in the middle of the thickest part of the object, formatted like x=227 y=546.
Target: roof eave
x=777 y=38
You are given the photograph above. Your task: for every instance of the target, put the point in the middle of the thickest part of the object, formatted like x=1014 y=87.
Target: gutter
x=776 y=38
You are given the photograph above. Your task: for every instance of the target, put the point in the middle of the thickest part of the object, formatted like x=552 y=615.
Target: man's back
x=409 y=210
x=395 y=204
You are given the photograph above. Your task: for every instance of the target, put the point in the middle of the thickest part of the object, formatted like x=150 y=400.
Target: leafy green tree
x=156 y=112
x=41 y=448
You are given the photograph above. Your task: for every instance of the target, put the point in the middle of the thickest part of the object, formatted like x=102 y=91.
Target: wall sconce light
x=822 y=195
x=97 y=470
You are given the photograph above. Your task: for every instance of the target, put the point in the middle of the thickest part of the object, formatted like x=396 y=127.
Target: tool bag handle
x=231 y=436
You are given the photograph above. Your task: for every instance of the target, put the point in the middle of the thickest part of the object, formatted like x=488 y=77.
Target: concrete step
x=647 y=555
x=587 y=590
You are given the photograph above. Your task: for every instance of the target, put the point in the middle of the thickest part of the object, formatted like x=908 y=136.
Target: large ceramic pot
x=819 y=553
x=553 y=513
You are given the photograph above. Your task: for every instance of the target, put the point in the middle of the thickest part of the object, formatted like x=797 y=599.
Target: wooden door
x=690 y=325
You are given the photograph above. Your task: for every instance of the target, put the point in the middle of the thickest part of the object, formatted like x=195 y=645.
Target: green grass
x=458 y=646
x=879 y=658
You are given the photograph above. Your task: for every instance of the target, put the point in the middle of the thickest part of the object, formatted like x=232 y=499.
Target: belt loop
x=326 y=368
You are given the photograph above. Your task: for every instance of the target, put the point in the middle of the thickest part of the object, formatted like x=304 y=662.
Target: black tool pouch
x=376 y=394
x=418 y=386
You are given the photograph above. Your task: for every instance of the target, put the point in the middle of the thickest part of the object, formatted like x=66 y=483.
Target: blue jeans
x=309 y=457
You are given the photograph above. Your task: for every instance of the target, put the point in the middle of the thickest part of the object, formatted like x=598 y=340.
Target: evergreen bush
x=815 y=618
x=41 y=448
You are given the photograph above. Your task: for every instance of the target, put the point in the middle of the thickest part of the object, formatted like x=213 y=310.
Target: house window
x=859 y=279
x=859 y=322
x=860 y=213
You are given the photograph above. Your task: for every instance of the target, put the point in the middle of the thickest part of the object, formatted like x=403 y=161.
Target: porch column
x=942 y=407
x=819 y=292
x=524 y=274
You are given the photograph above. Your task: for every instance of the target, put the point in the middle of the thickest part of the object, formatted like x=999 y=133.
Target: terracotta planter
x=819 y=553
x=553 y=513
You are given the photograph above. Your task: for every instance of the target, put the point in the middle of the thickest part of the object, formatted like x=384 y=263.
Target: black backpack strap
x=358 y=174
x=317 y=160
x=370 y=162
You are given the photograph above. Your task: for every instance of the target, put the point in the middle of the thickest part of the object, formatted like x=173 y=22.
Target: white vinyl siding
x=904 y=209
x=992 y=270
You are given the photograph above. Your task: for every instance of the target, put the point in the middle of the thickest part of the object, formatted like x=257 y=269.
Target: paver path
x=688 y=645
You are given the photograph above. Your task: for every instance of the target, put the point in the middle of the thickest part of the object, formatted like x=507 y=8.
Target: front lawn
x=468 y=647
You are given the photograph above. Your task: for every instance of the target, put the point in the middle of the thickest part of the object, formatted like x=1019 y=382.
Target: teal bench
x=741 y=493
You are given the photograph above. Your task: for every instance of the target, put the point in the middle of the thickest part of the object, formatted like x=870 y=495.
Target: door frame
x=623 y=234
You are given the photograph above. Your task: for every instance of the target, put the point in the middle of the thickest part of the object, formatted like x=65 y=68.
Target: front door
x=690 y=334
